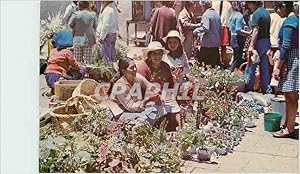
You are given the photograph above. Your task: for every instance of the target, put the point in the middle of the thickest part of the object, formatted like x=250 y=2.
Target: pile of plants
x=121 y=50
x=216 y=79
x=49 y=26
x=102 y=144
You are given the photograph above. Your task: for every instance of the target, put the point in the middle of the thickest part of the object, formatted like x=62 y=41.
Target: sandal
x=281 y=134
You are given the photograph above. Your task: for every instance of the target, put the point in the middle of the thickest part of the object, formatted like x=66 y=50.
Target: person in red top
x=60 y=59
x=162 y=21
x=155 y=70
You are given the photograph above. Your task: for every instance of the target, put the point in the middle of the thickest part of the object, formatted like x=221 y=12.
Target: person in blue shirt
x=208 y=34
x=260 y=41
x=287 y=71
x=238 y=34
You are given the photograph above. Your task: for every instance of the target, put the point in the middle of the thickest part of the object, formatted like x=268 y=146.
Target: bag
x=148 y=39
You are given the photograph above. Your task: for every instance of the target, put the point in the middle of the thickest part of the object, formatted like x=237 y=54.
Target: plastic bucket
x=272 y=121
x=278 y=106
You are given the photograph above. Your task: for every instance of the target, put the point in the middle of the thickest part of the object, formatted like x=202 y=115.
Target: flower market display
x=97 y=142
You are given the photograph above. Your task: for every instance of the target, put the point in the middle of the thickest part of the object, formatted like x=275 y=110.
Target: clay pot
x=221 y=151
x=203 y=155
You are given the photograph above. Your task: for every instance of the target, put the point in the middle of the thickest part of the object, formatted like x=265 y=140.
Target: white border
x=19 y=86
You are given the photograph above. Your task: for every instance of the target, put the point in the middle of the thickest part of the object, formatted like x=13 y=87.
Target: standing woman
x=187 y=23
x=287 y=71
x=83 y=23
x=107 y=30
x=238 y=34
x=176 y=58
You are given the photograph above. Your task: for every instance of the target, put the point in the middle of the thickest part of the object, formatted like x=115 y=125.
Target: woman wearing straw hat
x=156 y=70
x=176 y=58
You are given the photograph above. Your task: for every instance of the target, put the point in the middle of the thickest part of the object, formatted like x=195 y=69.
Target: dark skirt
x=210 y=56
x=51 y=78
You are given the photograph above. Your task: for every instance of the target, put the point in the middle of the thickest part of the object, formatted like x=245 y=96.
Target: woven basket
x=62 y=117
x=63 y=122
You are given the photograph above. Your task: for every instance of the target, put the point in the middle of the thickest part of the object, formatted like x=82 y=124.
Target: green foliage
x=121 y=50
x=51 y=25
x=103 y=145
x=216 y=78
x=105 y=67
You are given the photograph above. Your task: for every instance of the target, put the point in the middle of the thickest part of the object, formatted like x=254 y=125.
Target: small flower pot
x=235 y=143
x=229 y=149
x=221 y=151
x=203 y=155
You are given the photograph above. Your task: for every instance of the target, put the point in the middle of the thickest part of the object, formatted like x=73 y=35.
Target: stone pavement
x=258 y=152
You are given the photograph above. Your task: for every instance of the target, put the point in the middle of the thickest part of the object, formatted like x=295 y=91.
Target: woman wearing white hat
x=155 y=70
x=176 y=58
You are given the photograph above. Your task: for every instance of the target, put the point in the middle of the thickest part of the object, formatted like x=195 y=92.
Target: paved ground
x=258 y=152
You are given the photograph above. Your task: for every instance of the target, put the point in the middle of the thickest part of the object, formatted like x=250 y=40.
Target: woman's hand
x=177 y=72
x=279 y=73
x=154 y=97
x=276 y=73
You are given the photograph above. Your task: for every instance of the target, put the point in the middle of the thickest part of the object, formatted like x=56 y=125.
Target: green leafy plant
x=50 y=25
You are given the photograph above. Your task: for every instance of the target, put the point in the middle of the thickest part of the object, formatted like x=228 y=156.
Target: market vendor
x=139 y=106
x=60 y=59
x=156 y=70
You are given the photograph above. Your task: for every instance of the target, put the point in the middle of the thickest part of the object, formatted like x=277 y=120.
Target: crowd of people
x=270 y=41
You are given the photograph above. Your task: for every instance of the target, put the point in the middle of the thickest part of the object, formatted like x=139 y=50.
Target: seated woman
x=158 y=71
x=60 y=59
x=136 y=106
x=176 y=58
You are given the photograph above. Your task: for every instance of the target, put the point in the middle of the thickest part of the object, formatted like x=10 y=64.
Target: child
x=176 y=58
x=60 y=59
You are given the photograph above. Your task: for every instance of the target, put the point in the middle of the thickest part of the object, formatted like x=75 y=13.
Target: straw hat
x=155 y=45
x=173 y=33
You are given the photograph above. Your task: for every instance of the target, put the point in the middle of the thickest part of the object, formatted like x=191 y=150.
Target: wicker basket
x=62 y=121
x=77 y=107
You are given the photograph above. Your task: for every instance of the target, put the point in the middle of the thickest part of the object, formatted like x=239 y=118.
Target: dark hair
x=84 y=4
x=258 y=3
x=288 y=4
x=296 y=9
x=165 y=3
x=188 y=4
x=179 y=51
x=123 y=64
x=236 y=6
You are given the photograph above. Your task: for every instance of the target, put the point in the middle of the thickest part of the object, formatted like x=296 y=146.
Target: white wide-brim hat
x=155 y=45
x=173 y=33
